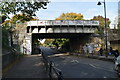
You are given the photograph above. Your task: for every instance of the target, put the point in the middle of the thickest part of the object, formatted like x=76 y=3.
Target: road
x=79 y=67
x=48 y=50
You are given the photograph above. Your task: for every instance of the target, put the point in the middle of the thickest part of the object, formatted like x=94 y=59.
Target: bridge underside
x=76 y=39
x=59 y=35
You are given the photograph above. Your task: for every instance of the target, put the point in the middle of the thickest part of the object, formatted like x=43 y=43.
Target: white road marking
x=92 y=65
x=101 y=68
x=75 y=61
x=104 y=77
x=97 y=67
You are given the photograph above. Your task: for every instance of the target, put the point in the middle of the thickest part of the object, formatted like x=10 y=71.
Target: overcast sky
x=88 y=8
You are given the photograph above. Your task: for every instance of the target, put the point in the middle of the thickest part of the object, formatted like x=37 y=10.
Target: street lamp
x=99 y=3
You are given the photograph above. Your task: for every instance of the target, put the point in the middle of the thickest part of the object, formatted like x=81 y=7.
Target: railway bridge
x=77 y=30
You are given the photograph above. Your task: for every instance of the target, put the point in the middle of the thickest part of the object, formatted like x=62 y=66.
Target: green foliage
x=5 y=41
x=27 y=8
x=60 y=42
x=70 y=16
x=11 y=23
x=48 y=42
x=19 y=18
x=98 y=31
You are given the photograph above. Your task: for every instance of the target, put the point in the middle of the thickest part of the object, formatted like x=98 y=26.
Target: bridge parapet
x=62 y=26
x=62 y=22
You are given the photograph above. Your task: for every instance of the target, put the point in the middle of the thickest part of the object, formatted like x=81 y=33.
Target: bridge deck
x=62 y=26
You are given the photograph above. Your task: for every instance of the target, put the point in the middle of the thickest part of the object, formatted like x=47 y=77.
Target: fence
x=53 y=72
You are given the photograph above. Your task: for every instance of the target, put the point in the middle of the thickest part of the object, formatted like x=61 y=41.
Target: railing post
x=39 y=51
x=50 y=70
x=60 y=76
x=23 y=49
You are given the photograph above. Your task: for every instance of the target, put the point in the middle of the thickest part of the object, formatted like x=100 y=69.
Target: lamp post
x=99 y=3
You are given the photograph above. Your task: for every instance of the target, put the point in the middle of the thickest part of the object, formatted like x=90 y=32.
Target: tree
x=70 y=16
x=59 y=42
x=16 y=19
x=27 y=8
x=101 y=23
x=48 y=42
x=19 y=18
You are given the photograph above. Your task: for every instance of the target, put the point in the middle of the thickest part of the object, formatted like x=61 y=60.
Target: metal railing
x=53 y=72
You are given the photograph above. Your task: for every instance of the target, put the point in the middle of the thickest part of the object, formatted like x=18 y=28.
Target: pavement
x=30 y=66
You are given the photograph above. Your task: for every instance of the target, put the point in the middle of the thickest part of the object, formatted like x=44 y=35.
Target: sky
x=88 y=8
